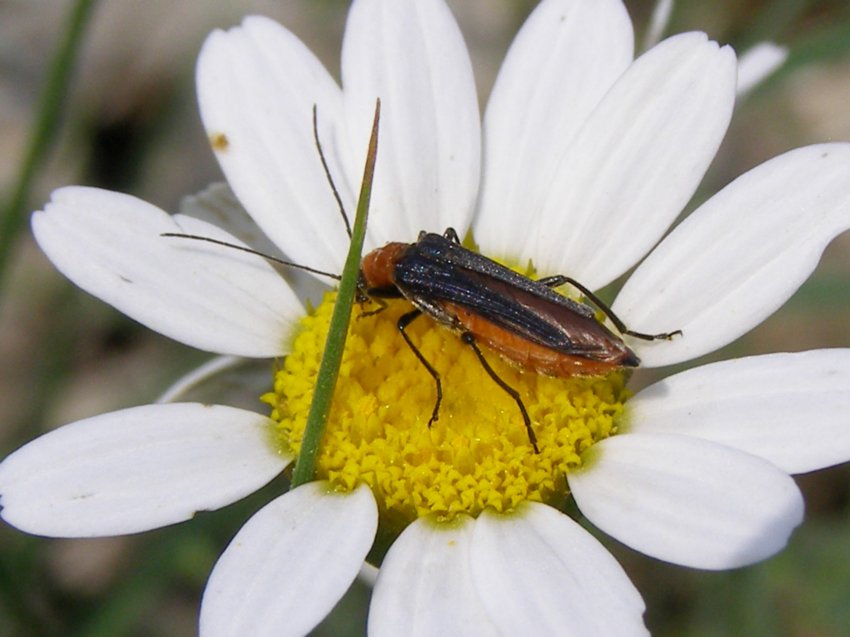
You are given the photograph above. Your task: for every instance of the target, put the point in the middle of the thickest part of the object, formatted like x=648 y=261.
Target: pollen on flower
x=477 y=455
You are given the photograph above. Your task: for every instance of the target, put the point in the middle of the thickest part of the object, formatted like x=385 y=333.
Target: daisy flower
x=584 y=159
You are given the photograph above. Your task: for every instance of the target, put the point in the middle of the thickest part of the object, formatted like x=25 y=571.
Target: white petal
x=368 y=575
x=564 y=59
x=217 y=204
x=757 y=63
x=213 y=298
x=290 y=563
x=425 y=586
x=687 y=501
x=137 y=469
x=412 y=56
x=225 y=378
x=257 y=85
x=197 y=376
x=540 y=573
x=637 y=161
x=740 y=256
x=791 y=409
x=299 y=283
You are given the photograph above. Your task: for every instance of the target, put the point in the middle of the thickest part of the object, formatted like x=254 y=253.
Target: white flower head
x=585 y=158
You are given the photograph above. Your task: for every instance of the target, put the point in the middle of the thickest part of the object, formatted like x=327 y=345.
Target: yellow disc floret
x=476 y=455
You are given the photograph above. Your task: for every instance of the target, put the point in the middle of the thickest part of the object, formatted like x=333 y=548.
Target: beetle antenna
x=328 y=172
x=267 y=257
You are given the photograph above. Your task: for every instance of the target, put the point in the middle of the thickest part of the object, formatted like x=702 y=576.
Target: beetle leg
x=381 y=303
x=377 y=296
x=451 y=235
x=469 y=339
x=559 y=280
x=403 y=321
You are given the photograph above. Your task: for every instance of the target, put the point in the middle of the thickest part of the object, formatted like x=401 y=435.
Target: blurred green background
x=129 y=122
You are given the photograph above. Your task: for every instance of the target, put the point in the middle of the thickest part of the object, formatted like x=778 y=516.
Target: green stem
x=12 y=215
x=305 y=466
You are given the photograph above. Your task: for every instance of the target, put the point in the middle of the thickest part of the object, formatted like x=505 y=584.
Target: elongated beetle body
x=524 y=320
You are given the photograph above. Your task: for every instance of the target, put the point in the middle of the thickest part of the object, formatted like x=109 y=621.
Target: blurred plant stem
x=12 y=214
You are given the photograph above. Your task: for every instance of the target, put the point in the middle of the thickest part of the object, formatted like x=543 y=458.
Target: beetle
x=524 y=320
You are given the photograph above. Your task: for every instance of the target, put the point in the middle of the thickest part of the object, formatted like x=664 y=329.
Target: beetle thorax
x=376 y=269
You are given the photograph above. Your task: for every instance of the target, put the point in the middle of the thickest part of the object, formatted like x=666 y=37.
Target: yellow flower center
x=476 y=455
